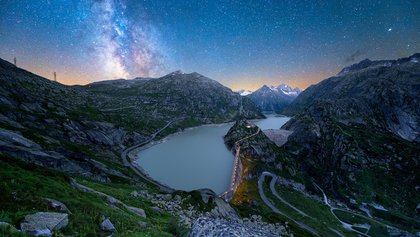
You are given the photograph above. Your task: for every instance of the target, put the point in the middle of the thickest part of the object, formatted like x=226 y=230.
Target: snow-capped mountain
x=271 y=98
x=244 y=92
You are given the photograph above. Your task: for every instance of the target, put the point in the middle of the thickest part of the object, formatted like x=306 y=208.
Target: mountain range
x=351 y=146
x=56 y=119
x=355 y=137
x=270 y=98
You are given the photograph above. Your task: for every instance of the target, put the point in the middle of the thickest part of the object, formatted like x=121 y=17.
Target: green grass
x=397 y=219
x=247 y=210
x=23 y=188
x=377 y=230
x=320 y=218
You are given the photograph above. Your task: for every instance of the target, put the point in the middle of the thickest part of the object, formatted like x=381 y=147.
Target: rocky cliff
x=357 y=134
x=378 y=94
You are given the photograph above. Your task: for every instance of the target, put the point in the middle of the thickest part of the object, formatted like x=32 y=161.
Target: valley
x=177 y=161
x=221 y=118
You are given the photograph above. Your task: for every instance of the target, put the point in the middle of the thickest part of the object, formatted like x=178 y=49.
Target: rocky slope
x=83 y=129
x=353 y=137
x=269 y=98
x=211 y=227
x=356 y=134
x=379 y=94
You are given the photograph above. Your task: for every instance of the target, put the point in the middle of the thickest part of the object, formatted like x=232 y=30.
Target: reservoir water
x=196 y=158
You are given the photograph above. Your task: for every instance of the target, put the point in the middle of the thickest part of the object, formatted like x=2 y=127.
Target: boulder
x=58 y=205
x=206 y=194
x=107 y=225
x=223 y=210
x=43 y=223
x=134 y=193
x=140 y=212
x=157 y=209
x=112 y=200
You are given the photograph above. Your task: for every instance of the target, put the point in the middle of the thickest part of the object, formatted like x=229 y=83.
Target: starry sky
x=243 y=44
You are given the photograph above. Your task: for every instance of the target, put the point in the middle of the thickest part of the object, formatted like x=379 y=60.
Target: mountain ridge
x=102 y=118
x=362 y=123
x=270 y=98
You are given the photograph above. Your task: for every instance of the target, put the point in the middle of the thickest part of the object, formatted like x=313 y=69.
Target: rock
x=178 y=198
x=208 y=227
x=43 y=223
x=157 y=209
x=43 y=232
x=58 y=205
x=167 y=197
x=111 y=200
x=107 y=225
x=206 y=194
x=142 y=224
x=17 y=139
x=144 y=192
x=138 y=211
x=134 y=194
x=223 y=210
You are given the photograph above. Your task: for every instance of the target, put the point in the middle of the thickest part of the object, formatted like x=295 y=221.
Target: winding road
x=274 y=209
x=344 y=224
x=273 y=190
x=128 y=162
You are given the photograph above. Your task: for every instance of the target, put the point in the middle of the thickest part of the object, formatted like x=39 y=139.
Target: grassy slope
x=247 y=192
x=320 y=218
x=24 y=187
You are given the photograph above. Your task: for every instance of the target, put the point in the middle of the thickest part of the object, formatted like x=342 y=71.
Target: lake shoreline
x=152 y=166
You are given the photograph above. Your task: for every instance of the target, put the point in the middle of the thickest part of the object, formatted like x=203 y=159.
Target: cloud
x=354 y=56
x=123 y=46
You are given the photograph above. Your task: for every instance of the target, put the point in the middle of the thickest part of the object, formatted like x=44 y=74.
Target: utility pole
x=55 y=76
x=14 y=60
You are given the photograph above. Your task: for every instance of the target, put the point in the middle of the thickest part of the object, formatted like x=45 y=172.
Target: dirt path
x=273 y=190
x=344 y=224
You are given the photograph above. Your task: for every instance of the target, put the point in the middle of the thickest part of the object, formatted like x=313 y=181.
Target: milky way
x=242 y=44
x=124 y=47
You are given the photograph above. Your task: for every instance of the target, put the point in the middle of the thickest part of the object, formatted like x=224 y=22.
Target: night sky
x=242 y=44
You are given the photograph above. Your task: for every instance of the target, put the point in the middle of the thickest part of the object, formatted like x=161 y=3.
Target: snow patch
x=245 y=92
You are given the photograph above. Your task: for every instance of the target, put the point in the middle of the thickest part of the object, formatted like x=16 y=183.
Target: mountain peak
x=177 y=72
x=272 y=98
